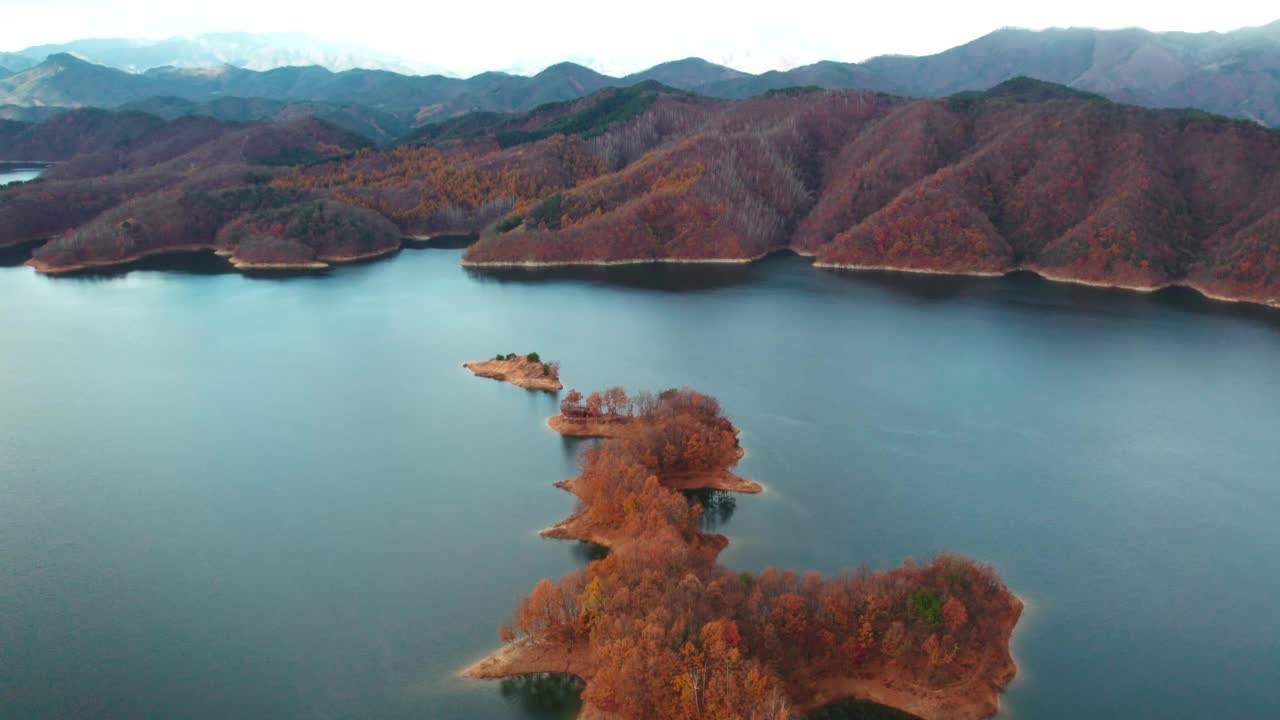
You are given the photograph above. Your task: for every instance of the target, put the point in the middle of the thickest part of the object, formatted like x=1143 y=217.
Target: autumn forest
x=1028 y=175
x=657 y=628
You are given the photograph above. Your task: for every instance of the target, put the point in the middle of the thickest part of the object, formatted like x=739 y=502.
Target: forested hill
x=1029 y=175
x=1235 y=74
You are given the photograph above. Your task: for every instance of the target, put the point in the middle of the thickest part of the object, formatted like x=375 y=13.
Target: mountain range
x=1026 y=176
x=252 y=51
x=1236 y=74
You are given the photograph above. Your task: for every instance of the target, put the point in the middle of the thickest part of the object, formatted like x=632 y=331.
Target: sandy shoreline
x=589 y=428
x=1051 y=277
x=47 y=269
x=908 y=270
x=322 y=263
x=525 y=657
x=534 y=265
x=1046 y=274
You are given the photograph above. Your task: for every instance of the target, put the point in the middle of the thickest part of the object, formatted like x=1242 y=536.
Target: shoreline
x=539 y=264
x=55 y=270
x=592 y=428
x=325 y=262
x=321 y=263
x=1051 y=277
x=519 y=372
x=910 y=271
x=1041 y=272
x=522 y=658
x=982 y=699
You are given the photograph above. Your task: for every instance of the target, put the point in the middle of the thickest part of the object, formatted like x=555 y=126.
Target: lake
x=8 y=175
x=285 y=498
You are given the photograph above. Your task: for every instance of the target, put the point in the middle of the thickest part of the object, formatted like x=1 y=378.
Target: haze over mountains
x=1235 y=74
x=251 y=51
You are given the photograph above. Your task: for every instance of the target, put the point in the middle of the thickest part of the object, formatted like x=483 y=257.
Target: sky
x=525 y=36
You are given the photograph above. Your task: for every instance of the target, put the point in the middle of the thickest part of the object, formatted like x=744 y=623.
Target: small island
x=526 y=371
x=659 y=629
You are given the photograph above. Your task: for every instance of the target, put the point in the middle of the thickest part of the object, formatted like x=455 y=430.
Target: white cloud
x=615 y=38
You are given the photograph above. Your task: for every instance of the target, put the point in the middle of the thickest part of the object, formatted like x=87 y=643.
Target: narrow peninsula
x=659 y=629
x=527 y=371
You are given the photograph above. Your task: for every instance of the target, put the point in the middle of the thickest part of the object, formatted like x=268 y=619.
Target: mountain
x=74 y=133
x=239 y=49
x=1235 y=74
x=136 y=185
x=378 y=126
x=826 y=74
x=1027 y=176
x=30 y=114
x=65 y=80
x=687 y=74
x=15 y=62
x=572 y=77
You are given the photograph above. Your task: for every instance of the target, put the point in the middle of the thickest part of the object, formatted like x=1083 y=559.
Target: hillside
x=74 y=133
x=1226 y=73
x=381 y=127
x=1028 y=175
x=195 y=183
x=686 y=74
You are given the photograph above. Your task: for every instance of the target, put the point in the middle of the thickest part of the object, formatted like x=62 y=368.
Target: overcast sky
x=615 y=37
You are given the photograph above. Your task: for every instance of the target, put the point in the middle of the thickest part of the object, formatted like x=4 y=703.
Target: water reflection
x=441 y=242
x=589 y=551
x=914 y=286
x=718 y=507
x=858 y=710
x=572 y=446
x=545 y=696
x=192 y=263
x=16 y=255
x=661 y=277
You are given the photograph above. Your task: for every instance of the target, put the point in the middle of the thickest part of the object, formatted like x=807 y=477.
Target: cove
x=229 y=496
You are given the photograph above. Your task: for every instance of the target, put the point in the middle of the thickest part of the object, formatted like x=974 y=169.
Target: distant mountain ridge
x=251 y=51
x=1236 y=74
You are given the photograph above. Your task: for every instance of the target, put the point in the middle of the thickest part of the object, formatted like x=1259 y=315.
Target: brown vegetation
x=1028 y=176
x=526 y=371
x=681 y=434
x=178 y=187
x=658 y=629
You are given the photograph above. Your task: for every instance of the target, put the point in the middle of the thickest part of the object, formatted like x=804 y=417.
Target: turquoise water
x=256 y=498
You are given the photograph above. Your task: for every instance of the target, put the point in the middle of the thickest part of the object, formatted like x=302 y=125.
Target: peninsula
x=526 y=371
x=658 y=629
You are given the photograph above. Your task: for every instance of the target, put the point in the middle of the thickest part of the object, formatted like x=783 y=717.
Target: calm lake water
x=224 y=497
x=12 y=176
